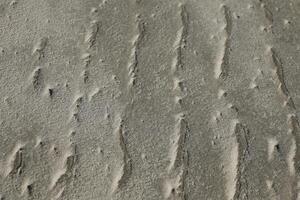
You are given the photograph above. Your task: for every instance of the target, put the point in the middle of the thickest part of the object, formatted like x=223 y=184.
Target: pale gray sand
x=150 y=99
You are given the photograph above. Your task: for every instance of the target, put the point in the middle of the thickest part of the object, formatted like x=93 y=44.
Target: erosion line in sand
x=125 y=169
x=279 y=75
x=123 y=173
x=133 y=60
x=221 y=68
x=177 y=169
x=292 y=119
x=241 y=152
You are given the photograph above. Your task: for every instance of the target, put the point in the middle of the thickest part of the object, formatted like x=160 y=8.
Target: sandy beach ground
x=149 y=99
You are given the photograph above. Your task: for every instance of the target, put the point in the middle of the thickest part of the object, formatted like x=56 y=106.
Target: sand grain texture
x=150 y=99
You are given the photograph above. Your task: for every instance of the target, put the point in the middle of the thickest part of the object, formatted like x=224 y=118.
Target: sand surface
x=149 y=99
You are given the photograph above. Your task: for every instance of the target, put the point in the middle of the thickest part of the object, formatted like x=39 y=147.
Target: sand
x=149 y=99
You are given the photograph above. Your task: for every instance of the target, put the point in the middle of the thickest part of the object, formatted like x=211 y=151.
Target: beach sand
x=149 y=99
